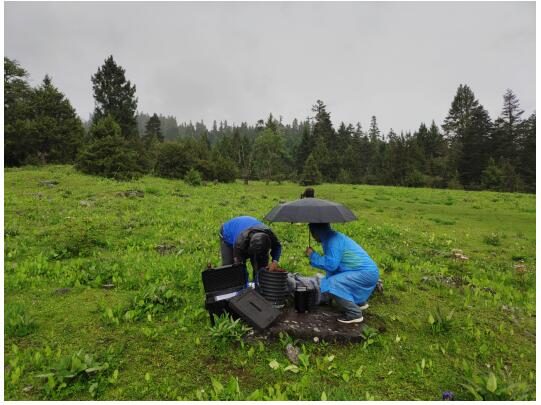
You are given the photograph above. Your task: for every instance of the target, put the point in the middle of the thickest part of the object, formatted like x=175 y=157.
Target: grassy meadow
x=458 y=306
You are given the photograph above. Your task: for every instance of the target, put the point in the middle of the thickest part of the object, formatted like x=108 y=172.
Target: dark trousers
x=347 y=307
x=227 y=257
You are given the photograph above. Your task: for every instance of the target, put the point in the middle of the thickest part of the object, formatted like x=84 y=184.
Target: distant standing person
x=351 y=275
x=246 y=237
x=308 y=193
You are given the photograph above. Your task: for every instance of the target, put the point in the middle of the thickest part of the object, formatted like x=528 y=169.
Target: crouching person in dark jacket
x=246 y=237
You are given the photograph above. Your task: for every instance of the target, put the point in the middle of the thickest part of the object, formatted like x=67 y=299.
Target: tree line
x=470 y=150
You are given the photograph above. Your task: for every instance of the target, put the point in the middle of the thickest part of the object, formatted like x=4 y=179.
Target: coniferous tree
x=325 y=151
x=153 y=131
x=468 y=125
x=269 y=155
x=310 y=174
x=432 y=150
x=115 y=96
x=374 y=132
x=377 y=154
x=506 y=131
x=108 y=154
x=41 y=126
x=526 y=153
x=304 y=148
x=17 y=93
x=57 y=130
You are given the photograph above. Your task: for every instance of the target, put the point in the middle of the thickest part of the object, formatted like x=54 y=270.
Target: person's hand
x=309 y=251
x=273 y=266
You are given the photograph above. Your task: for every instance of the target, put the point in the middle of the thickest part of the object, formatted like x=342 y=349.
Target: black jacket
x=240 y=248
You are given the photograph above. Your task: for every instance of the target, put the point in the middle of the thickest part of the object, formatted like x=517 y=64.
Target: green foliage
x=223 y=170
x=108 y=154
x=50 y=374
x=397 y=228
x=152 y=300
x=497 y=385
x=67 y=373
x=79 y=240
x=174 y=160
x=468 y=124
x=226 y=330
x=371 y=337
x=494 y=239
x=115 y=96
x=310 y=174
x=153 y=131
x=269 y=155
x=193 y=177
x=17 y=322
x=440 y=322
x=270 y=392
x=17 y=94
x=41 y=126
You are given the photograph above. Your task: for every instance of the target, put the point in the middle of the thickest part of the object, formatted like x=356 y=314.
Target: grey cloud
x=239 y=61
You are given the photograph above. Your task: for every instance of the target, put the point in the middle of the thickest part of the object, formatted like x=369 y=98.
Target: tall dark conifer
x=153 y=130
x=115 y=96
x=324 y=136
x=468 y=125
x=58 y=130
x=526 y=153
x=506 y=131
x=17 y=93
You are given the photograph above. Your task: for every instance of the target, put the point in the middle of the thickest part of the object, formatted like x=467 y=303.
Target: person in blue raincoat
x=351 y=275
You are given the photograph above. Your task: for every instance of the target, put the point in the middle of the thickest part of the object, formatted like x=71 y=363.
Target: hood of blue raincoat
x=320 y=230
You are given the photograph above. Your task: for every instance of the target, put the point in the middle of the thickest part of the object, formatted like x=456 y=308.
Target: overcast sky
x=239 y=61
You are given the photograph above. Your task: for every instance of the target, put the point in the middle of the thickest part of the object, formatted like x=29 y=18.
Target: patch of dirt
x=320 y=324
x=459 y=255
x=131 y=193
x=452 y=281
x=165 y=249
x=62 y=291
x=48 y=183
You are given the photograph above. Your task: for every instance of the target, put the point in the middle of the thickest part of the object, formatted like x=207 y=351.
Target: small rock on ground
x=292 y=353
x=130 y=193
x=49 y=183
x=165 y=248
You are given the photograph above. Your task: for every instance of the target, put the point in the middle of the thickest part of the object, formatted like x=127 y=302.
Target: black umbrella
x=310 y=210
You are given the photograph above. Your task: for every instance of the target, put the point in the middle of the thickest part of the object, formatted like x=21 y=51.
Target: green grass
x=79 y=235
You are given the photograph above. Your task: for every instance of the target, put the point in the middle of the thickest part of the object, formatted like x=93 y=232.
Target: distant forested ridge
x=469 y=150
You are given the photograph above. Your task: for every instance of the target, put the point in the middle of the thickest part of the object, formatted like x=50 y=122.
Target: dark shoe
x=363 y=306
x=348 y=319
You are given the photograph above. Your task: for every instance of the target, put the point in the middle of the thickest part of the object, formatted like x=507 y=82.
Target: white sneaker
x=345 y=319
x=363 y=306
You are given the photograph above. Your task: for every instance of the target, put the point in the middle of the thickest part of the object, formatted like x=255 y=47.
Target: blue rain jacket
x=232 y=229
x=350 y=273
